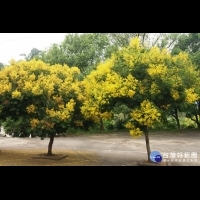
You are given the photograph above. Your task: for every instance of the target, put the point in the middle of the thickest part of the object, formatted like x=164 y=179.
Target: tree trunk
x=50 y=145
x=197 y=121
x=146 y=132
x=176 y=118
x=101 y=125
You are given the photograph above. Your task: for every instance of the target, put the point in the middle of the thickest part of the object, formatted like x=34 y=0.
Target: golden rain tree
x=39 y=96
x=148 y=81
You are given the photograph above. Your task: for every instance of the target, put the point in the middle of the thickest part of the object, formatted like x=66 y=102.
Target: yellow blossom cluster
x=129 y=56
x=175 y=95
x=62 y=114
x=129 y=125
x=135 y=43
x=191 y=96
x=154 y=88
x=16 y=94
x=155 y=56
x=43 y=124
x=107 y=115
x=157 y=70
x=181 y=58
x=135 y=132
x=147 y=114
x=91 y=111
x=31 y=109
x=34 y=122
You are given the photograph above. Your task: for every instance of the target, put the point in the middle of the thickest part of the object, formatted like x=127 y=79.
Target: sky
x=14 y=44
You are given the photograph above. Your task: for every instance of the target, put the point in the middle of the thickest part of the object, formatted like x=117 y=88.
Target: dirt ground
x=114 y=149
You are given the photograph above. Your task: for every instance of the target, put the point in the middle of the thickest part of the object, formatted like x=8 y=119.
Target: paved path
x=118 y=149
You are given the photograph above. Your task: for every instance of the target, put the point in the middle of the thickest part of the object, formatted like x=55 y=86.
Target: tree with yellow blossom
x=177 y=85
x=41 y=96
x=148 y=81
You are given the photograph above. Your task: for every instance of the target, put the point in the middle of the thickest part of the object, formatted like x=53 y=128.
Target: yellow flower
x=70 y=105
x=157 y=70
x=34 y=122
x=36 y=90
x=31 y=109
x=107 y=115
x=28 y=86
x=191 y=96
x=154 y=89
x=16 y=94
x=136 y=132
x=147 y=114
x=129 y=125
x=175 y=94
x=135 y=42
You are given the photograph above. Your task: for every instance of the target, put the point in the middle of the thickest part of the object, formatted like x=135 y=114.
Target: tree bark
x=197 y=121
x=101 y=125
x=176 y=118
x=50 y=145
x=146 y=132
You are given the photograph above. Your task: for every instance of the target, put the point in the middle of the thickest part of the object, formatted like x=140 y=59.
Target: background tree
x=123 y=39
x=35 y=53
x=148 y=40
x=1 y=65
x=190 y=43
x=168 y=40
x=83 y=50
